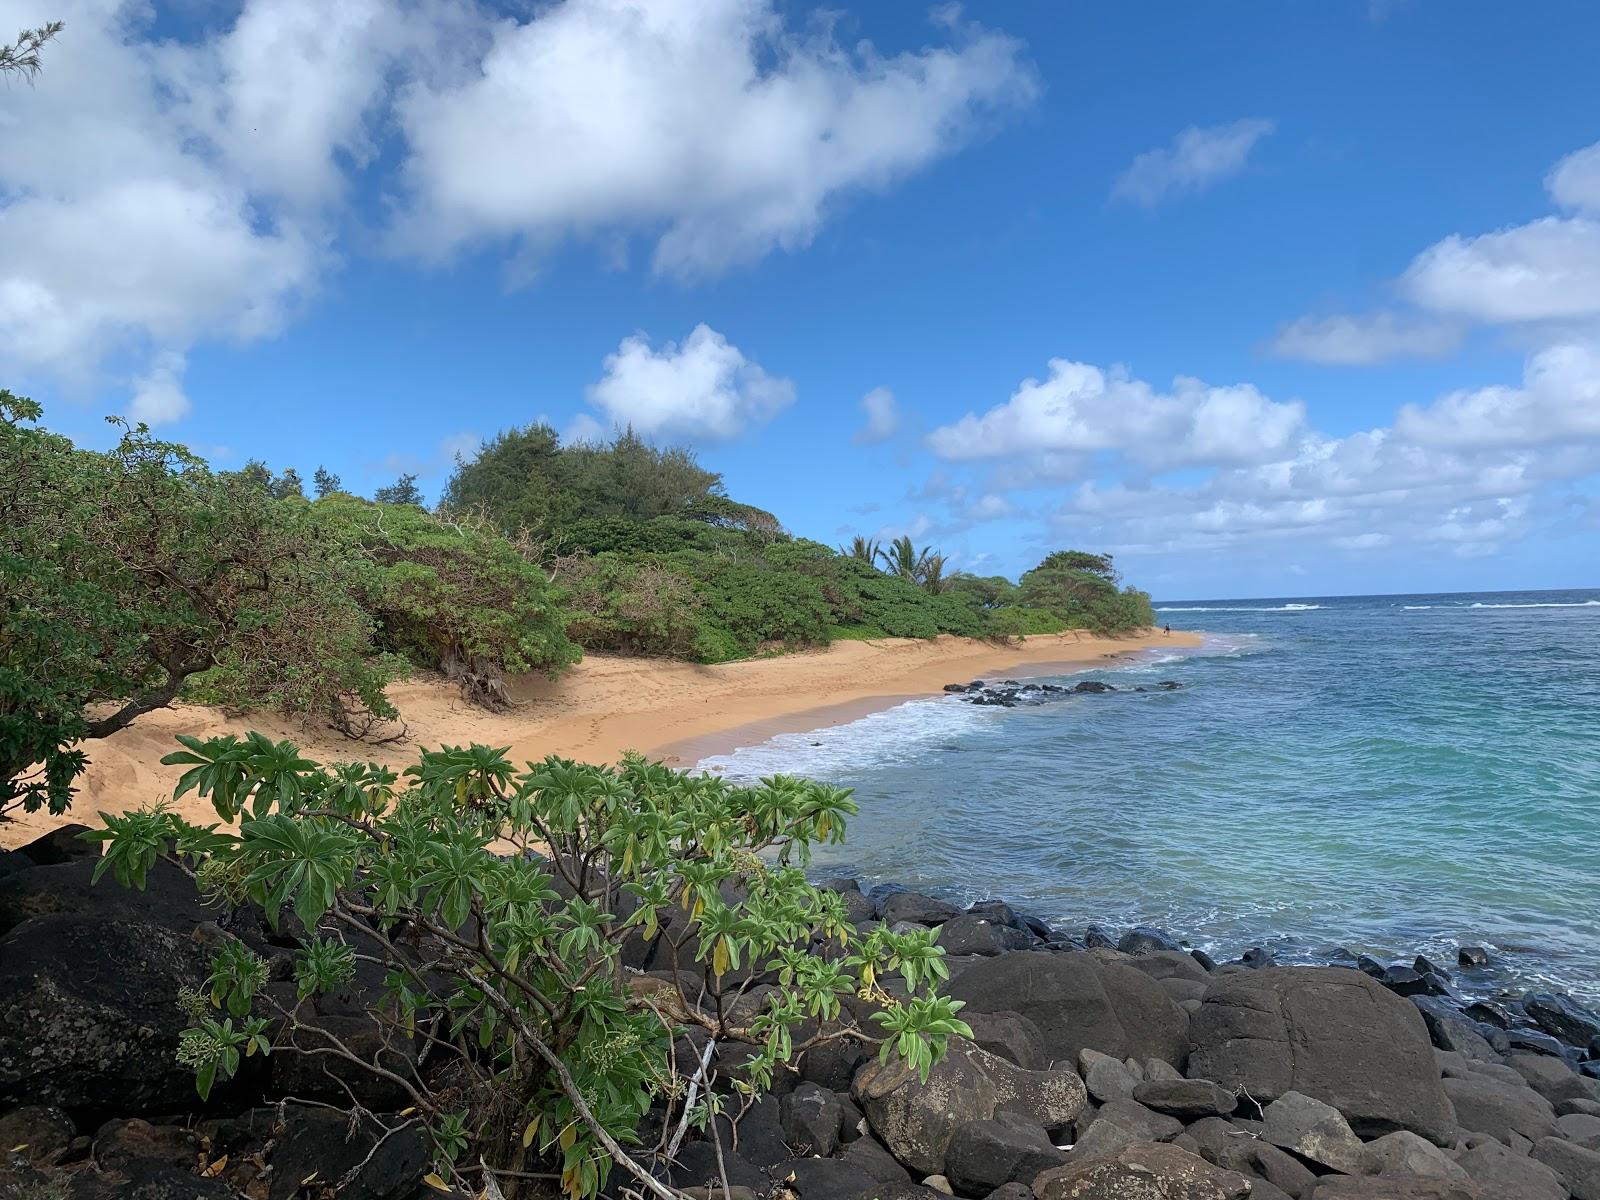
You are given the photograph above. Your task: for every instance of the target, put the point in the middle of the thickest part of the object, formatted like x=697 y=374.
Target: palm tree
x=864 y=548
x=902 y=558
x=933 y=576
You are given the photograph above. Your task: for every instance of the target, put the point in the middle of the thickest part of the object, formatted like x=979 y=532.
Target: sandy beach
x=680 y=712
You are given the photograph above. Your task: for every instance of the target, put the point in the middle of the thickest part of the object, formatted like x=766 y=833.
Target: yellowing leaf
x=530 y=1132
x=215 y=1168
x=437 y=1184
x=569 y=1135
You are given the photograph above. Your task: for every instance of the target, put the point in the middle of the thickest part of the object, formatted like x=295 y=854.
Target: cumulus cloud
x=707 y=123
x=1546 y=270
x=1559 y=401
x=883 y=418
x=704 y=388
x=1364 y=340
x=156 y=193
x=1196 y=159
x=1540 y=275
x=1460 y=474
x=158 y=398
x=1574 y=182
x=1083 y=410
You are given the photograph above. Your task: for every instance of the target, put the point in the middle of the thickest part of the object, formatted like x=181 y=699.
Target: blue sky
x=1299 y=298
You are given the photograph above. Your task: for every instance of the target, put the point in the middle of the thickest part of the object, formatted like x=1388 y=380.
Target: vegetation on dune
x=543 y=1052
x=138 y=575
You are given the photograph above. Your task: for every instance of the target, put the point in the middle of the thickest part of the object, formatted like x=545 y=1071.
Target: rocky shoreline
x=1101 y=1068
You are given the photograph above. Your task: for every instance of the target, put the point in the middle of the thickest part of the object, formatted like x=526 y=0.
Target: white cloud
x=139 y=179
x=158 y=398
x=1082 y=410
x=155 y=194
x=1546 y=270
x=464 y=445
x=1574 y=182
x=1195 y=160
x=1559 y=401
x=584 y=429
x=883 y=418
x=1371 y=490
x=1362 y=341
x=1544 y=275
x=705 y=388
x=708 y=122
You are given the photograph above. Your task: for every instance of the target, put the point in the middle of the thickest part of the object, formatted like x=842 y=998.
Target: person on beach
x=1166 y=630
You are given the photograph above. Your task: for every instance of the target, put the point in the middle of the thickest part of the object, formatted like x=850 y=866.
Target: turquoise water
x=1389 y=774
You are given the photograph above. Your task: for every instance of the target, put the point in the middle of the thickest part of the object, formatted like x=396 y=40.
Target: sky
x=1265 y=300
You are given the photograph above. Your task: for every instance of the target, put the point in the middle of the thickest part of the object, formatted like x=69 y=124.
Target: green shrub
x=544 y=1052
x=130 y=575
x=454 y=596
x=632 y=606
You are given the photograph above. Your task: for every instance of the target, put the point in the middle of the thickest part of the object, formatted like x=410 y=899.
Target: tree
x=129 y=576
x=542 y=1050
x=451 y=595
x=324 y=482
x=402 y=491
x=525 y=480
x=1098 y=565
x=287 y=484
x=1082 y=589
x=932 y=576
x=257 y=474
x=865 y=548
x=21 y=57
x=902 y=558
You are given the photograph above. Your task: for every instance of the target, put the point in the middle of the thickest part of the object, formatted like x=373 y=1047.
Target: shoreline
x=603 y=706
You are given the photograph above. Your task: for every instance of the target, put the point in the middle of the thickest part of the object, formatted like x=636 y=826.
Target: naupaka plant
x=503 y=910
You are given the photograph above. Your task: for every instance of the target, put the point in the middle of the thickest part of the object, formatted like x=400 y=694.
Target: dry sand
x=605 y=705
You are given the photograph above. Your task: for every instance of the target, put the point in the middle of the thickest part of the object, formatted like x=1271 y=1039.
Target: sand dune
x=605 y=705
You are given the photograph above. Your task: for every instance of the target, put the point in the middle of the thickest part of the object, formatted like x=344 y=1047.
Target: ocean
x=1384 y=774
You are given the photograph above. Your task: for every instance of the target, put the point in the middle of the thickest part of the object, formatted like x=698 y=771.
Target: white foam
x=1279 y=608
x=1544 y=604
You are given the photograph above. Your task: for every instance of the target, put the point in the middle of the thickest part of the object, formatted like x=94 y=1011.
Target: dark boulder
x=858 y=907
x=1010 y=1035
x=89 y=1016
x=997 y=912
x=1186 y=1099
x=1407 y=981
x=1452 y=1031
x=1509 y=1175
x=812 y=1117
x=1577 y=1168
x=917 y=1121
x=1146 y=939
x=1472 y=956
x=1091 y=687
x=61 y=845
x=1501 y=1110
x=1330 y=1033
x=1142 y=1172
x=985 y=1155
x=1550 y=1077
x=823 y=1178
x=38 y=1133
x=65 y=889
x=1563 y=1017
x=1095 y=937
x=1078 y=1001
x=1380 y=1187
x=1315 y=1131
x=916 y=908
x=969 y=934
